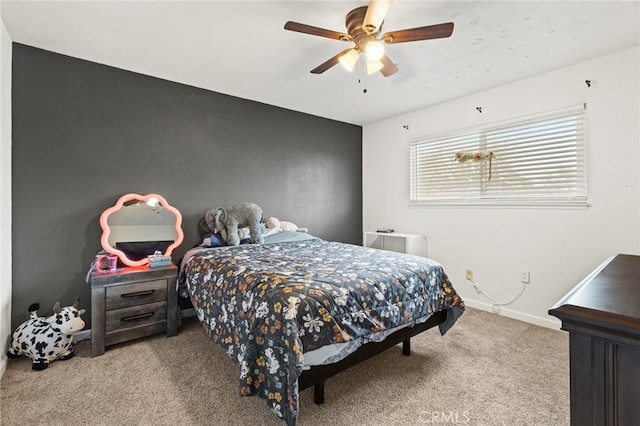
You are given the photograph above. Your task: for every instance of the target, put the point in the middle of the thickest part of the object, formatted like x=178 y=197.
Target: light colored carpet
x=488 y=370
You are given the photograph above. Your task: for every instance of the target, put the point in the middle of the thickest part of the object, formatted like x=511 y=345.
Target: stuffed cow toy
x=46 y=339
x=231 y=218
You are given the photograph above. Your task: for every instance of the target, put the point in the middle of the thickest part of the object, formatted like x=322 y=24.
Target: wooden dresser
x=130 y=303
x=602 y=316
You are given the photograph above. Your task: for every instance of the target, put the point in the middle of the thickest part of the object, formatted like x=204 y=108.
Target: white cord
x=91 y=269
x=496 y=306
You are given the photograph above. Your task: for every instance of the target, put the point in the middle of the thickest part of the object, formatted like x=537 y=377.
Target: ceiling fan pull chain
x=363 y=73
x=365 y=83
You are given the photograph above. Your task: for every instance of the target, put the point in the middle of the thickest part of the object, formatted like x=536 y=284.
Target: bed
x=297 y=309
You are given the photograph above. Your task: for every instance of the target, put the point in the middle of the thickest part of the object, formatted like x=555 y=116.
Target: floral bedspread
x=266 y=305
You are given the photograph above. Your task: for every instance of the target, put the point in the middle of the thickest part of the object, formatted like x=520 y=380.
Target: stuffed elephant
x=238 y=215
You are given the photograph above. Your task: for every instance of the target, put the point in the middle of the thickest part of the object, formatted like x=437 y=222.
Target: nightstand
x=415 y=244
x=132 y=302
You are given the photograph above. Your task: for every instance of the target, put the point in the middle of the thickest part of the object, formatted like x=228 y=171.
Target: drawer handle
x=137 y=317
x=138 y=294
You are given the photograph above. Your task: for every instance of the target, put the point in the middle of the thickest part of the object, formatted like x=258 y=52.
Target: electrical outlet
x=525 y=277
x=469 y=274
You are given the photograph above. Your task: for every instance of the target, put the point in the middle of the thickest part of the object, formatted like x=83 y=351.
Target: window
x=539 y=160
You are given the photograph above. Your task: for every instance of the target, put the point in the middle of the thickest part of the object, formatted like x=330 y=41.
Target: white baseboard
x=3 y=364
x=552 y=323
x=82 y=335
x=189 y=312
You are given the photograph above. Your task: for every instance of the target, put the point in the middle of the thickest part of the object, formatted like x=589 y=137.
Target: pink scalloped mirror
x=139 y=225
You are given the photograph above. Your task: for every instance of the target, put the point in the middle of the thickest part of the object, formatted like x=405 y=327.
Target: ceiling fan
x=364 y=26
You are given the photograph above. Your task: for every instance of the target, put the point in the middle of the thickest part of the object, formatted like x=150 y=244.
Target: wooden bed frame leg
x=318 y=393
x=406 y=347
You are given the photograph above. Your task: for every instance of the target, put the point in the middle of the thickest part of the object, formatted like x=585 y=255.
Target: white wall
x=5 y=195
x=558 y=246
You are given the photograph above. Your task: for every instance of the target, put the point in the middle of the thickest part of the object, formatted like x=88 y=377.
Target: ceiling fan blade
x=329 y=63
x=388 y=67
x=376 y=12
x=420 y=33
x=317 y=31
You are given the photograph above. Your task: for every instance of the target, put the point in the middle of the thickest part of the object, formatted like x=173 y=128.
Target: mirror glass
x=138 y=226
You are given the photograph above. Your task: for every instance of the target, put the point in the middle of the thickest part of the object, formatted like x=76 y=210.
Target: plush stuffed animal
x=244 y=235
x=46 y=339
x=219 y=239
x=275 y=223
x=238 y=215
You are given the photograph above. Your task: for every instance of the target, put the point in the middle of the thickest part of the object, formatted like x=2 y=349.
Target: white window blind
x=539 y=160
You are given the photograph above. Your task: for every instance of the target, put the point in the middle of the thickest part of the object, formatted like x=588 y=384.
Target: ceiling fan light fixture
x=364 y=29
x=374 y=51
x=374 y=66
x=349 y=59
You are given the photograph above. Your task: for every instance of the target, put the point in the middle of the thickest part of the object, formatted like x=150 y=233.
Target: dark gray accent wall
x=85 y=133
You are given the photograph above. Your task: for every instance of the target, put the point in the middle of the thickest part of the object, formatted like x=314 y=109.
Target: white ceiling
x=240 y=48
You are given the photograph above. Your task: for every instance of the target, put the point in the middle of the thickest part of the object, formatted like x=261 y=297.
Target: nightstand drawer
x=134 y=294
x=135 y=316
